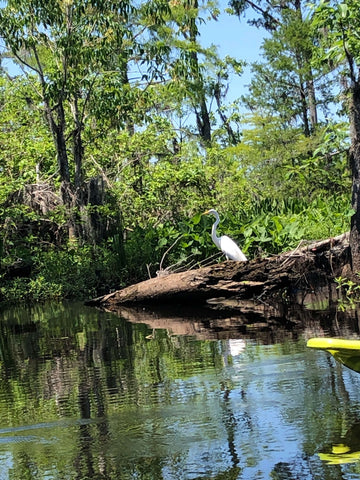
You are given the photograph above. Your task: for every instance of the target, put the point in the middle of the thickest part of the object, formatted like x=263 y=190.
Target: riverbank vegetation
x=116 y=134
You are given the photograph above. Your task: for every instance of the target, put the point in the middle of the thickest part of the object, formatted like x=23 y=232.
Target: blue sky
x=234 y=37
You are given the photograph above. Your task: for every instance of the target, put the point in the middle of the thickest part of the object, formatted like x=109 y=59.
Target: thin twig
x=167 y=251
x=148 y=270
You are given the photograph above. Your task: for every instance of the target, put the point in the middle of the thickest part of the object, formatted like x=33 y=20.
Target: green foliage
x=349 y=293
x=24 y=138
x=273 y=227
x=72 y=272
x=273 y=182
x=30 y=290
x=340 y=21
x=284 y=163
x=166 y=246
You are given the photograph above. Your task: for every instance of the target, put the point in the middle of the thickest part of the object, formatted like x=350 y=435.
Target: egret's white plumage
x=225 y=243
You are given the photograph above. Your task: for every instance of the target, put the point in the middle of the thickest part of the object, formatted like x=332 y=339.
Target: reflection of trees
x=84 y=460
x=101 y=374
x=230 y=422
x=86 y=365
x=282 y=471
x=230 y=474
x=25 y=467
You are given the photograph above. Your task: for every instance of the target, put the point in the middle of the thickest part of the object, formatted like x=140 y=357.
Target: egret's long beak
x=206 y=213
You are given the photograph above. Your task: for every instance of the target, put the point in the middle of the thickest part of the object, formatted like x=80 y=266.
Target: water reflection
x=86 y=394
x=268 y=324
x=347 y=450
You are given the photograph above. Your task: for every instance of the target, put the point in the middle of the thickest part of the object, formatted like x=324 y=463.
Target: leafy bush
x=270 y=227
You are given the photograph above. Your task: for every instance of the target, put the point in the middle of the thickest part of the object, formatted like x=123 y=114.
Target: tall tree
x=71 y=46
x=338 y=26
x=286 y=82
x=186 y=64
x=197 y=74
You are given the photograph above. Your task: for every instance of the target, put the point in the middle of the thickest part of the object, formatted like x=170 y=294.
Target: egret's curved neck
x=215 y=239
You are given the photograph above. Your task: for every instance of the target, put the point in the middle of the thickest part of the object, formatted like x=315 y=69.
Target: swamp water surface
x=85 y=394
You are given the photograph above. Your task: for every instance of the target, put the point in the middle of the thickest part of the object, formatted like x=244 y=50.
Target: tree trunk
x=94 y=225
x=312 y=102
x=355 y=167
x=304 y=109
x=203 y=121
x=67 y=193
x=58 y=133
x=233 y=138
x=202 y=115
x=78 y=150
x=307 y=89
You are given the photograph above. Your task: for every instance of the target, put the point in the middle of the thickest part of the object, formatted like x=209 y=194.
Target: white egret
x=225 y=243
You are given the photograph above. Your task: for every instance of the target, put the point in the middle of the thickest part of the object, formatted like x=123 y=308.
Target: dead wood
x=291 y=275
x=320 y=245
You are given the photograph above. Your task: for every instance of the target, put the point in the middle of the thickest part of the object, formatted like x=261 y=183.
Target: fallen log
x=280 y=277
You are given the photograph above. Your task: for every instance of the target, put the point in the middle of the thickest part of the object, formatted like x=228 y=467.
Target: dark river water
x=86 y=394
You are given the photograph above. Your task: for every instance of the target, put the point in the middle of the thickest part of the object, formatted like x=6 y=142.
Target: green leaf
x=196 y=218
x=162 y=242
x=343 y=9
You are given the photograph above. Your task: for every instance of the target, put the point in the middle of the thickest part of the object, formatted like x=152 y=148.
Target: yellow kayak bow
x=346 y=352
